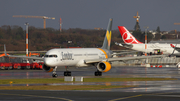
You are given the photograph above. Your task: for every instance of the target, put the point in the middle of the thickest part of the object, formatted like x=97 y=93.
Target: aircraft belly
x=138 y=48
x=68 y=63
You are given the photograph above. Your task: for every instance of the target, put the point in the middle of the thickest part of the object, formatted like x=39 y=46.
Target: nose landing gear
x=54 y=72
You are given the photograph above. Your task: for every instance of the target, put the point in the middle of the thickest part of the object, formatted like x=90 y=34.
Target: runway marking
x=156 y=94
x=37 y=96
x=169 y=95
x=126 y=97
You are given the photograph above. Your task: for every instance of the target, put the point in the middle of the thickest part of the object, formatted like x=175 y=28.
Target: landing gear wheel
x=54 y=75
x=67 y=73
x=98 y=73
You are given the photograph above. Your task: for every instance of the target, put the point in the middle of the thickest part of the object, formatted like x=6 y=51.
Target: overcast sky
x=87 y=14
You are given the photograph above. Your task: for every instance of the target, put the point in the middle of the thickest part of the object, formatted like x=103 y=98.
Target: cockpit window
x=51 y=56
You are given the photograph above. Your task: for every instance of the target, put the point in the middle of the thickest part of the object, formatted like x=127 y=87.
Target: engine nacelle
x=47 y=69
x=103 y=66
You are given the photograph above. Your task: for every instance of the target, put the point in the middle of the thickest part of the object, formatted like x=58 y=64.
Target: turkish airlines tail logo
x=127 y=36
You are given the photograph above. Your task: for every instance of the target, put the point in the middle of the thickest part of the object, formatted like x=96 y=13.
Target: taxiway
x=145 y=90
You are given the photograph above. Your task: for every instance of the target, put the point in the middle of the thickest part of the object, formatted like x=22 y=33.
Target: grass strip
x=61 y=80
x=63 y=87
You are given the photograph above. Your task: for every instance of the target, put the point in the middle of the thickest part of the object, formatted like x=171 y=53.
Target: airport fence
x=151 y=61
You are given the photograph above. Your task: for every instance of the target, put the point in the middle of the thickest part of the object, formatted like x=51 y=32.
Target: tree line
x=45 y=39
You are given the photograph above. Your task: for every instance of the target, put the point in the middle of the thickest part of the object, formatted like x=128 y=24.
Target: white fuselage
x=165 y=48
x=73 y=56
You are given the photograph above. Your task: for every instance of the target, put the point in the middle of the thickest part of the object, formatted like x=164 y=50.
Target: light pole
x=146 y=44
x=146 y=39
x=26 y=38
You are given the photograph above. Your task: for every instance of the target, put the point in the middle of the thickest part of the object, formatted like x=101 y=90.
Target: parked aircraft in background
x=131 y=42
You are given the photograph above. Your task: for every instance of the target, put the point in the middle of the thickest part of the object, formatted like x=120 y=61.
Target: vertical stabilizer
x=107 y=39
x=127 y=37
x=5 y=50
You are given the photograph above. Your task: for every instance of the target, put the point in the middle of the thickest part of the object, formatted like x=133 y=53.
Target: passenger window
x=51 y=56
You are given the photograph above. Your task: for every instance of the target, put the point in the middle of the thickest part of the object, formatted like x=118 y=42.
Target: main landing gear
x=98 y=73
x=67 y=73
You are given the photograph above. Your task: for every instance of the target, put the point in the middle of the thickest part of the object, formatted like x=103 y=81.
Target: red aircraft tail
x=127 y=36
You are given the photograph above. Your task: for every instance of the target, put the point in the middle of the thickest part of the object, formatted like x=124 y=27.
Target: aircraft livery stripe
x=104 y=52
x=108 y=36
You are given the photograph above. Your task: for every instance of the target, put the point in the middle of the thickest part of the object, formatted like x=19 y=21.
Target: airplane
x=132 y=43
x=101 y=58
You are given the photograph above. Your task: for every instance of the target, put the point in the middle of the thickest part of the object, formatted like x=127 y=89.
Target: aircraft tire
x=98 y=73
x=54 y=75
x=67 y=73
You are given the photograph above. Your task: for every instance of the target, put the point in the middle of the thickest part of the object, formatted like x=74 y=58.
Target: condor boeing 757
x=131 y=42
x=80 y=57
x=101 y=58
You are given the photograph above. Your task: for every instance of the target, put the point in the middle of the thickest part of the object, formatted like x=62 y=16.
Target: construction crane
x=98 y=28
x=41 y=17
x=137 y=17
x=176 y=23
x=175 y=29
x=60 y=24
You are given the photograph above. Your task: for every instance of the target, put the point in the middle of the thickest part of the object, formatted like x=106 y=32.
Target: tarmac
x=145 y=90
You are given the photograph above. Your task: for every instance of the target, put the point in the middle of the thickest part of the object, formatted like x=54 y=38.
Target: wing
x=18 y=56
x=119 y=52
x=122 y=58
x=177 y=48
x=27 y=57
x=124 y=45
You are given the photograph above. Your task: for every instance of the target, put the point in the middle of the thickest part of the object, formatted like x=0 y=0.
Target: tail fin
x=107 y=39
x=5 y=50
x=127 y=36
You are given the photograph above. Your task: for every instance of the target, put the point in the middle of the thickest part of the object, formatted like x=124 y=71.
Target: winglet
x=107 y=39
x=172 y=45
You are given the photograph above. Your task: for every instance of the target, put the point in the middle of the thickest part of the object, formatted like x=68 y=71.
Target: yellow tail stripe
x=104 y=52
x=108 y=36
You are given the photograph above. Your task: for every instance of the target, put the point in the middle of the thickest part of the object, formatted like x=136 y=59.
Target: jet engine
x=103 y=66
x=47 y=69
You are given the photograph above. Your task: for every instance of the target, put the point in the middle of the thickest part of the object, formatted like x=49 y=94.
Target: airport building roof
x=175 y=41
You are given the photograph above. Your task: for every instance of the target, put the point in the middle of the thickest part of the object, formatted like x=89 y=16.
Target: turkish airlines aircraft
x=101 y=58
x=131 y=42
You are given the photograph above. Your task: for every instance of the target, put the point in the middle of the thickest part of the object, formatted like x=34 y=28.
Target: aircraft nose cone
x=47 y=62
